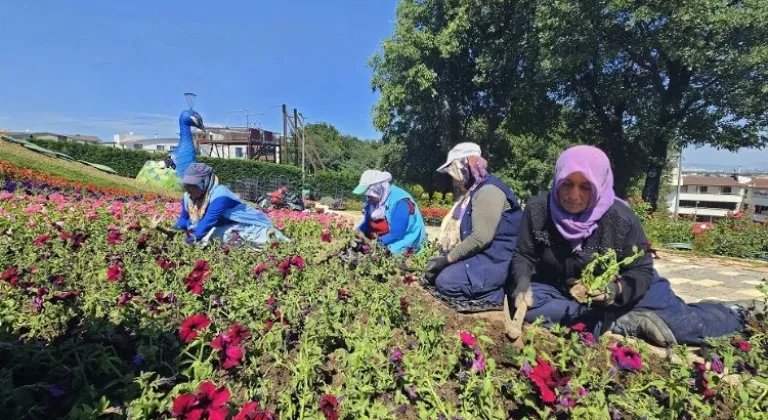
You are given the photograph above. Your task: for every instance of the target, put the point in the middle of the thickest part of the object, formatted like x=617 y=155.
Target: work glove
x=434 y=266
x=521 y=292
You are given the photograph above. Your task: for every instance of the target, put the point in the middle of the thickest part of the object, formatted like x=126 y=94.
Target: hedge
x=128 y=163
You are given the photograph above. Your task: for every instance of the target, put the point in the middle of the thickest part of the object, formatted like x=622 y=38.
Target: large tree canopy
x=635 y=77
x=458 y=70
x=646 y=76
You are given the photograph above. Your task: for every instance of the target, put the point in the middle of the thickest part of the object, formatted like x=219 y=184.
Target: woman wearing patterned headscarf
x=560 y=233
x=477 y=237
x=210 y=210
x=390 y=214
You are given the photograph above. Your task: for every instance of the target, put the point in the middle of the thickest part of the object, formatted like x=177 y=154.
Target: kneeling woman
x=390 y=214
x=560 y=233
x=210 y=210
x=477 y=236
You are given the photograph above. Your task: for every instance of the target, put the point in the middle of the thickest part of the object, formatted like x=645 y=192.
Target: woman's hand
x=155 y=222
x=434 y=267
x=598 y=297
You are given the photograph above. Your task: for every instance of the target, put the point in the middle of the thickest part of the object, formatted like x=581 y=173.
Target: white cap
x=369 y=178
x=460 y=151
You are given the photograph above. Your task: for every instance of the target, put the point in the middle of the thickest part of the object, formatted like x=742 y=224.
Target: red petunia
x=325 y=236
x=742 y=345
x=195 y=279
x=192 y=325
x=700 y=381
x=410 y=278
x=42 y=240
x=329 y=406
x=165 y=264
x=11 y=275
x=237 y=333
x=185 y=408
x=114 y=237
x=298 y=262
x=547 y=379
x=252 y=411
x=64 y=296
x=342 y=295
x=284 y=267
x=209 y=402
x=259 y=269
x=115 y=272
x=404 y=306
x=578 y=327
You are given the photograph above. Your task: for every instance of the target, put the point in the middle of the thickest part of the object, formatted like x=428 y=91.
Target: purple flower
x=583 y=392
x=412 y=393
x=567 y=402
x=526 y=369
x=137 y=360
x=479 y=364
x=626 y=358
x=717 y=365
x=396 y=356
x=746 y=367
x=55 y=391
x=463 y=377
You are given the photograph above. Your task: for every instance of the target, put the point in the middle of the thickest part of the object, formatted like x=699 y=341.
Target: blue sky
x=103 y=67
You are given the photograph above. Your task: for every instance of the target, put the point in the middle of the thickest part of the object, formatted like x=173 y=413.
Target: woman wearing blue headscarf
x=210 y=210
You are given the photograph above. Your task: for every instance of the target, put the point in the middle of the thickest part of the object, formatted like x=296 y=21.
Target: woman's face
x=575 y=193
x=194 y=191
x=373 y=200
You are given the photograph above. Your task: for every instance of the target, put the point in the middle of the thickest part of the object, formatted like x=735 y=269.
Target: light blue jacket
x=415 y=233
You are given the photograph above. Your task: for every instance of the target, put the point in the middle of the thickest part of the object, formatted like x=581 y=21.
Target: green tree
x=458 y=70
x=340 y=152
x=646 y=76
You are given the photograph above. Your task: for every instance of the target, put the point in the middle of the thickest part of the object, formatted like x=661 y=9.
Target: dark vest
x=489 y=269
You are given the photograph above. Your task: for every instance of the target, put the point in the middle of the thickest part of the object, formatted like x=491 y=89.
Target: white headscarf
x=380 y=191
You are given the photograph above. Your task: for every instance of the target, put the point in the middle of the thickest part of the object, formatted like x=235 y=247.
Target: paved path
x=716 y=279
x=693 y=278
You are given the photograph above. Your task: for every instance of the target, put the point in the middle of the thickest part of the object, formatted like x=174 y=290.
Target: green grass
x=73 y=171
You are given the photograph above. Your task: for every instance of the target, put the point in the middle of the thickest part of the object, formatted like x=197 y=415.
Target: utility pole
x=679 y=181
x=284 y=142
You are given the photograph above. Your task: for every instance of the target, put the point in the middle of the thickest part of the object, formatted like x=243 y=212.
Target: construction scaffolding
x=240 y=142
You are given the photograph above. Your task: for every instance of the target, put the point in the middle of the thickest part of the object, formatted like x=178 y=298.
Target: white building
x=757 y=196
x=137 y=142
x=708 y=198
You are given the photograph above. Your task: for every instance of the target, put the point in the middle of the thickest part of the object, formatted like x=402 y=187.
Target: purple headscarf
x=596 y=167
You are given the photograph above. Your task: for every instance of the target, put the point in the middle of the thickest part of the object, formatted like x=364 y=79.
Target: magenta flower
x=114 y=272
x=626 y=358
x=329 y=406
x=298 y=262
x=325 y=236
x=742 y=345
x=468 y=339
x=717 y=365
x=478 y=365
x=124 y=298
x=578 y=327
x=192 y=325
x=259 y=269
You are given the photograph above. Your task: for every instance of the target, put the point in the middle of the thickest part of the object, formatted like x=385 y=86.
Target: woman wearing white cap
x=210 y=210
x=477 y=236
x=390 y=214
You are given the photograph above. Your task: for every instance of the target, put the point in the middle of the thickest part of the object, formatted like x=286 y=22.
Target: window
x=726 y=190
x=687 y=203
x=683 y=189
x=138 y=146
x=160 y=147
x=238 y=152
x=703 y=189
x=761 y=209
x=173 y=148
x=761 y=192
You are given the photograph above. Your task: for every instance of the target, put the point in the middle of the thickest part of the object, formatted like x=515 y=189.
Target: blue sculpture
x=185 y=152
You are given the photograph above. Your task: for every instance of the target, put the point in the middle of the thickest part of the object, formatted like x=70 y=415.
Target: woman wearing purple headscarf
x=561 y=231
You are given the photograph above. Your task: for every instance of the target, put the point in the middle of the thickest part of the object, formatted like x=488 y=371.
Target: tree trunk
x=653 y=176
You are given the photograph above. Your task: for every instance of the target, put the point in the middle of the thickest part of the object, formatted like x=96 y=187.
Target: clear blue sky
x=103 y=67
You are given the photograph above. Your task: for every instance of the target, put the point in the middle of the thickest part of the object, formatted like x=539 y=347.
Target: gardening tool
x=513 y=326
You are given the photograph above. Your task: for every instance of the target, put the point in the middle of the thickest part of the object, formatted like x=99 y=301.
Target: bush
x=128 y=163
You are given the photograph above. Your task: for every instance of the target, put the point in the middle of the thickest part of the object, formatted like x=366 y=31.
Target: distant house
x=131 y=141
x=711 y=197
x=46 y=135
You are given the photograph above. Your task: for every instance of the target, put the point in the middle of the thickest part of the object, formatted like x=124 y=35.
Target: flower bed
x=433 y=216
x=101 y=317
